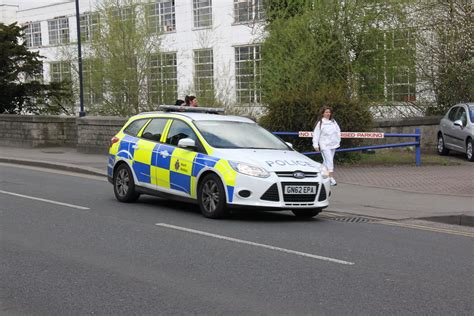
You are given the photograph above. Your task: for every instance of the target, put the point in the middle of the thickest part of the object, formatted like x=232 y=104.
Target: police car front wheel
x=306 y=213
x=124 y=186
x=211 y=197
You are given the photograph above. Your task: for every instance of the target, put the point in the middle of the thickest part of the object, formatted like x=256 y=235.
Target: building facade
x=209 y=44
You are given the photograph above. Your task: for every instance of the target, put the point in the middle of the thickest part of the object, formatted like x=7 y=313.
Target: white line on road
x=45 y=200
x=241 y=241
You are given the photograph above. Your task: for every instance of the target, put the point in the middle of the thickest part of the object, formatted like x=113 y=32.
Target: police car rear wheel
x=124 y=186
x=211 y=197
x=306 y=213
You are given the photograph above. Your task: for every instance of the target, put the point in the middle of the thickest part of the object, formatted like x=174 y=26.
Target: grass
x=392 y=158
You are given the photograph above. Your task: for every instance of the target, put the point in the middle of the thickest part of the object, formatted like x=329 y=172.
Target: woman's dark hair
x=188 y=99
x=321 y=112
x=179 y=102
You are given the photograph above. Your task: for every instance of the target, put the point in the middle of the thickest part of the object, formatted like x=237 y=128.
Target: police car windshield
x=471 y=113
x=228 y=134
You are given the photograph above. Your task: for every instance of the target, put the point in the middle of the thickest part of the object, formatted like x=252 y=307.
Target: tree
x=21 y=86
x=445 y=52
x=124 y=64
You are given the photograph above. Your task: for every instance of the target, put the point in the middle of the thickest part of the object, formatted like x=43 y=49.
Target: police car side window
x=178 y=131
x=154 y=129
x=133 y=128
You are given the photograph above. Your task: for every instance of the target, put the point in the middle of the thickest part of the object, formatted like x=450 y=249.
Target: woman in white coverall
x=327 y=137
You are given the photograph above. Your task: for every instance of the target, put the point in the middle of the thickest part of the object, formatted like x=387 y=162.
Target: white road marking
x=241 y=241
x=45 y=200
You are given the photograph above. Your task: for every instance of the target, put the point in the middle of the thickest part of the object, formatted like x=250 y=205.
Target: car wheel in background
x=124 y=186
x=469 y=145
x=211 y=197
x=442 y=150
x=306 y=213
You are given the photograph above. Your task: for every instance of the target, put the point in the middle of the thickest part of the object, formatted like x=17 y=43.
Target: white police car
x=216 y=161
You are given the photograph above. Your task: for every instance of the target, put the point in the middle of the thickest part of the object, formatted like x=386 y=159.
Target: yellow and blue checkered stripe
x=169 y=167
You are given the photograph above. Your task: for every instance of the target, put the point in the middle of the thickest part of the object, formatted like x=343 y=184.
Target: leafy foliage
x=21 y=86
x=446 y=58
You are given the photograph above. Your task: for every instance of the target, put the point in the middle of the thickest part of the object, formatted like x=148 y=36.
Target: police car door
x=146 y=151
x=181 y=165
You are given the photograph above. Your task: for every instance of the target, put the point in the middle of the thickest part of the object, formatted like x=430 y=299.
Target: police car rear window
x=133 y=128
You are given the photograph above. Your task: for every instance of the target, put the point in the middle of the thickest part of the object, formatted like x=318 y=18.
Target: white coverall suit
x=327 y=136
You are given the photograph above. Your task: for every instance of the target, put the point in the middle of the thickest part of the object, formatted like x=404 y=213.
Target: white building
x=8 y=11
x=206 y=38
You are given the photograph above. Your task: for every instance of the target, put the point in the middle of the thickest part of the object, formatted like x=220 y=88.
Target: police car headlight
x=249 y=170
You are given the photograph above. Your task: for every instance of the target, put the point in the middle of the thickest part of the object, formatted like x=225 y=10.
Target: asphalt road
x=94 y=255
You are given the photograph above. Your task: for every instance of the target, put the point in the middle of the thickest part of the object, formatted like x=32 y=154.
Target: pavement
x=438 y=193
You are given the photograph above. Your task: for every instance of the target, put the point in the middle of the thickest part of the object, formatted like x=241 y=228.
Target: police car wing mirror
x=289 y=145
x=187 y=143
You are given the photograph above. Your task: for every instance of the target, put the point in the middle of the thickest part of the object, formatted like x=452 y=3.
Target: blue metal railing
x=416 y=143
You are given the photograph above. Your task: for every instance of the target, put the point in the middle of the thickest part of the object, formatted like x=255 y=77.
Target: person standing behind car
x=191 y=101
x=327 y=137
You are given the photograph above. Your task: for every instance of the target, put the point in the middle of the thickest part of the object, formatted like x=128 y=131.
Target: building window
x=92 y=82
x=391 y=71
x=162 y=79
x=204 y=74
x=248 y=10
x=89 y=26
x=58 y=31
x=60 y=71
x=161 y=16
x=33 y=34
x=247 y=74
x=202 y=13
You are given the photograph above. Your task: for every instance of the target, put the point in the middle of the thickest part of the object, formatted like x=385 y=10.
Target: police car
x=214 y=160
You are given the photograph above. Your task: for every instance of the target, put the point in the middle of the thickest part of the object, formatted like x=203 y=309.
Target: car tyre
x=469 y=147
x=306 y=213
x=442 y=150
x=124 y=185
x=211 y=197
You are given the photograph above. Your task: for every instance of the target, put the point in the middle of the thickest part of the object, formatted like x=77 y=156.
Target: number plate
x=300 y=189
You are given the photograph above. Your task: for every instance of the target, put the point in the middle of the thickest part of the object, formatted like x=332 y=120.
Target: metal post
x=418 y=146
x=79 y=59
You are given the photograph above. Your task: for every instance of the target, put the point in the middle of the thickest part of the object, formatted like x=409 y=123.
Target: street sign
x=348 y=134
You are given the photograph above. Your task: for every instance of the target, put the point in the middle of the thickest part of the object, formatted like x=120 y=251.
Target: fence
x=371 y=135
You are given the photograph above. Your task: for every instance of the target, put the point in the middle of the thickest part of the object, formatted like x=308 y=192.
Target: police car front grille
x=298 y=198
x=271 y=194
x=289 y=174
x=322 y=194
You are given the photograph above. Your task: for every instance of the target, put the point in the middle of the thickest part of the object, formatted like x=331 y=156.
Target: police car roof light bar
x=177 y=108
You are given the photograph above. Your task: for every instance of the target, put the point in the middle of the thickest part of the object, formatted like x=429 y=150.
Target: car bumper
x=269 y=193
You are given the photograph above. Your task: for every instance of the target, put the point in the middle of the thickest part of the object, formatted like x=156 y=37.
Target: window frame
x=157 y=16
x=254 y=91
x=198 y=9
x=58 y=34
x=33 y=29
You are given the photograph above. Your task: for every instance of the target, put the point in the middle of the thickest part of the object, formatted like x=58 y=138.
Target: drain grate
x=350 y=219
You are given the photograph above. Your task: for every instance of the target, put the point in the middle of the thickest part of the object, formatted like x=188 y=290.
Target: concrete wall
x=92 y=134
x=37 y=131
x=95 y=132
x=427 y=125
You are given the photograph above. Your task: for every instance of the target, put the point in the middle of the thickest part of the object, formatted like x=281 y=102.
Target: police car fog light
x=244 y=193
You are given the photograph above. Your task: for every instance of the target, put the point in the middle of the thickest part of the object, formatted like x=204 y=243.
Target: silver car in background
x=456 y=130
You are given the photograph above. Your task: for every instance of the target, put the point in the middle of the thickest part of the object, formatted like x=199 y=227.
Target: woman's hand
x=316 y=148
